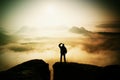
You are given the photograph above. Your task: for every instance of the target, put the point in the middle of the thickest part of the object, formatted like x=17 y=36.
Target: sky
x=53 y=16
x=32 y=29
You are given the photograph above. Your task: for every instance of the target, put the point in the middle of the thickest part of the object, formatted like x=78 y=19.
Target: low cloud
x=105 y=46
x=102 y=43
x=110 y=27
x=20 y=48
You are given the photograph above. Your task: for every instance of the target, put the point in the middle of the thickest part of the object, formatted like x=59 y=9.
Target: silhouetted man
x=63 y=51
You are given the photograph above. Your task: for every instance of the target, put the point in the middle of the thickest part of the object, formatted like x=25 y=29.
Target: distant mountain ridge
x=81 y=30
x=91 y=34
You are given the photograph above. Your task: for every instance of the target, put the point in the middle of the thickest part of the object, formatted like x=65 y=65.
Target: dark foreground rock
x=30 y=70
x=75 y=71
x=39 y=70
x=111 y=72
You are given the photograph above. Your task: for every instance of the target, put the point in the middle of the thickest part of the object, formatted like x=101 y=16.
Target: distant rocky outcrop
x=75 y=71
x=30 y=70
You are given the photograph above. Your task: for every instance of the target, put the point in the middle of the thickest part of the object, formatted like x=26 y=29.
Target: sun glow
x=50 y=9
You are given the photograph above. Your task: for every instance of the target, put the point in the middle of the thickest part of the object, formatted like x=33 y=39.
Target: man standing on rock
x=63 y=51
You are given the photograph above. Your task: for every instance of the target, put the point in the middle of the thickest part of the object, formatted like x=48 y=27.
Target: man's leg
x=64 y=58
x=60 y=57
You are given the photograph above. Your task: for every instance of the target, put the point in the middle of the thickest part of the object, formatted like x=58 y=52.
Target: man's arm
x=59 y=44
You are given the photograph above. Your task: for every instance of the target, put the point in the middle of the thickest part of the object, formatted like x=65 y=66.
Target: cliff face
x=30 y=70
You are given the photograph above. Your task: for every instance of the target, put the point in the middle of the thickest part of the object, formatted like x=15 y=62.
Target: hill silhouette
x=30 y=70
x=38 y=70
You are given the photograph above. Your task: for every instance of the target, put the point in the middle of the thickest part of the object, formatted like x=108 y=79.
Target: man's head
x=61 y=44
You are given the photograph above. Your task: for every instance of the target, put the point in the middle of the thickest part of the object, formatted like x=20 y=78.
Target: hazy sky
x=53 y=16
